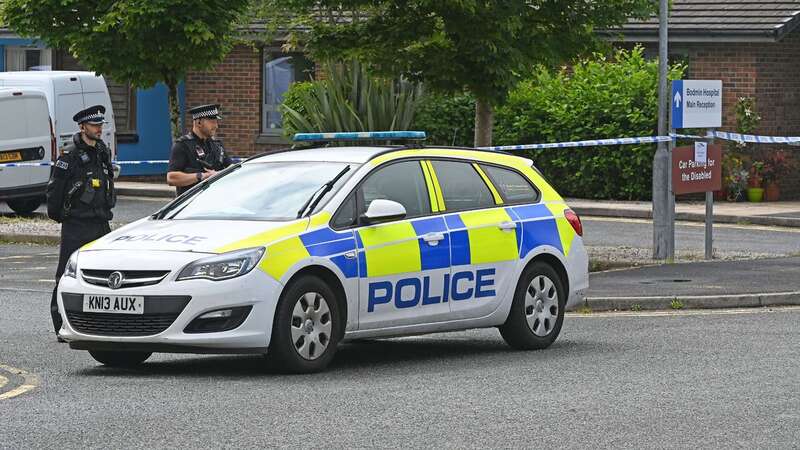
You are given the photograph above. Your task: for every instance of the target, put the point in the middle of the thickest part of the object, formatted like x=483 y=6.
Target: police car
x=290 y=253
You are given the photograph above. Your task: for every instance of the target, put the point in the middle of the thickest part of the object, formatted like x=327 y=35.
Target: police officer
x=197 y=155
x=80 y=193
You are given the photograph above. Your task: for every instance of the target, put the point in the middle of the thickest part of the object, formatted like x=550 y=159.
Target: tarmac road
x=724 y=379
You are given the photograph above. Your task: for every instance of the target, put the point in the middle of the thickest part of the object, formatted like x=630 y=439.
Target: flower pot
x=755 y=194
x=772 y=192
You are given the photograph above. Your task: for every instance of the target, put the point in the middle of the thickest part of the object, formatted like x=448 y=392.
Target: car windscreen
x=262 y=191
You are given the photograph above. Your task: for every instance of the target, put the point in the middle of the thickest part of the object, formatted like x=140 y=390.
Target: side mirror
x=381 y=210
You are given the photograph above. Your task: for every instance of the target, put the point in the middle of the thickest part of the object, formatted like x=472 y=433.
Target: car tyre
x=537 y=311
x=24 y=206
x=120 y=359
x=306 y=329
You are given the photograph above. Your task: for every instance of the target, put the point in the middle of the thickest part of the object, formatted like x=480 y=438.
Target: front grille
x=160 y=311
x=131 y=278
x=120 y=324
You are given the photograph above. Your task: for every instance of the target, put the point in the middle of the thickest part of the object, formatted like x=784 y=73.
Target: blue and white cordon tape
x=121 y=163
x=375 y=135
x=751 y=138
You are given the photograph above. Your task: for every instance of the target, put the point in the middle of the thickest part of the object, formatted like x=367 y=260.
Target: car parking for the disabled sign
x=696 y=103
x=697 y=168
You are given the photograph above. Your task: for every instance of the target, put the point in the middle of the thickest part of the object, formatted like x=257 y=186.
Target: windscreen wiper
x=315 y=198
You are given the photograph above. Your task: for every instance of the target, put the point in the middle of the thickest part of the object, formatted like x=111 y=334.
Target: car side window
x=346 y=216
x=462 y=186
x=512 y=186
x=402 y=182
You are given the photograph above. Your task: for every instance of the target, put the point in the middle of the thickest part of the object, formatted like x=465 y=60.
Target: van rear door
x=68 y=101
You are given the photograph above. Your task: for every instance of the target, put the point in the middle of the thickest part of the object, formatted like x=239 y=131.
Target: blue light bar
x=363 y=135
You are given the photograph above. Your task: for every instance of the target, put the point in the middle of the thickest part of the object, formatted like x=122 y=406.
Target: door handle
x=507 y=226
x=433 y=238
x=350 y=255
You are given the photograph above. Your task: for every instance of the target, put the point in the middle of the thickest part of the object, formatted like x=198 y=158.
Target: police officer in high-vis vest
x=80 y=193
x=197 y=155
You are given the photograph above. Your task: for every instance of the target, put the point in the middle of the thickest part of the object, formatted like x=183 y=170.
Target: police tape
x=121 y=163
x=736 y=137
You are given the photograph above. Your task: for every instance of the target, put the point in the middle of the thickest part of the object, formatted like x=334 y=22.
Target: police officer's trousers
x=74 y=235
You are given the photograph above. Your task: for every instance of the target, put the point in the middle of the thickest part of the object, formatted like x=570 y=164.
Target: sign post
x=698 y=168
x=696 y=104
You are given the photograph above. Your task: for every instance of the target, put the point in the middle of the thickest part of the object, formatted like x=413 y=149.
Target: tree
x=141 y=42
x=480 y=46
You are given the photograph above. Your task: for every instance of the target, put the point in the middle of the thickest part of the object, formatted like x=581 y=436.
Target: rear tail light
x=53 y=146
x=574 y=220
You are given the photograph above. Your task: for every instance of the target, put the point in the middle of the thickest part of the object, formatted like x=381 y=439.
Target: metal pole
x=670 y=205
x=661 y=161
x=710 y=214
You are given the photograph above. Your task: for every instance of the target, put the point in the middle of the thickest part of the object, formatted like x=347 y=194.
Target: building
x=753 y=47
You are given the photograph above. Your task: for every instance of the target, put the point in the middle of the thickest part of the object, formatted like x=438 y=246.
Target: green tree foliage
x=142 y=42
x=348 y=99
x=595 y=99
x=446 y=119
x=454 y=45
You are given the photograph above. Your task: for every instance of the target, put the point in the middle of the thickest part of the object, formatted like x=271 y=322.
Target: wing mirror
x=381 y=210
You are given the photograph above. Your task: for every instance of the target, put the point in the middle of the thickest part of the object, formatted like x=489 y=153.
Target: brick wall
x=235 y=84
x=768 y=72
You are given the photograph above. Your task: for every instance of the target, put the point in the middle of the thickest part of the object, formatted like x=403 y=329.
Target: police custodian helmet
x=93 y=114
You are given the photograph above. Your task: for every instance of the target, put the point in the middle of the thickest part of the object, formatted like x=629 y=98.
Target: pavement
x=713 y=284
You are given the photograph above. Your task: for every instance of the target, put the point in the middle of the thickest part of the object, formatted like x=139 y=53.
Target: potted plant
x=776 y=166
x=755 y=190
x=737 y=185
x=734 y=178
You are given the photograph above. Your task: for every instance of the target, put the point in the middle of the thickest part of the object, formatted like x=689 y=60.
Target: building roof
x=718 y=21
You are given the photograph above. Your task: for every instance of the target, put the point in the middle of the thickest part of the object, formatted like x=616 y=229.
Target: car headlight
x=71 y=269
x=224 y=266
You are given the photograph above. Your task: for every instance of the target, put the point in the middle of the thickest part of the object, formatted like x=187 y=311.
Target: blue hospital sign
x=696 y=103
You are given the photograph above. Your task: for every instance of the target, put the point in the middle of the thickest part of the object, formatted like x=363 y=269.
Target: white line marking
x=30 y=382
x=689 y=312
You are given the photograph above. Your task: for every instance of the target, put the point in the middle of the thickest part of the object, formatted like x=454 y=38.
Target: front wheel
x=306 y=327
x=120 y=359
x=24 y=206
x=537 y=313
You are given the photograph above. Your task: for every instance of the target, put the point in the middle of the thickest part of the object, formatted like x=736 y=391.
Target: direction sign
x=696 y=103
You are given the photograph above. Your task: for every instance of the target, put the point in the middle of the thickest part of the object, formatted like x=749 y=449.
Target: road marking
x=23 y=290
x=774 y=229
x=29 y=382
x=28 y=256
x=687 y=312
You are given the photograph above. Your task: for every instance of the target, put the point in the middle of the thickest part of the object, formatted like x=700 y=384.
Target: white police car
x=287 y=254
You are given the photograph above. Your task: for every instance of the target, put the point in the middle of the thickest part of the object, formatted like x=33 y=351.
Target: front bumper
x=169 y=307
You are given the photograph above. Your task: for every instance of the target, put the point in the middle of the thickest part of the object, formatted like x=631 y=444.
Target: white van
x=67 y=93
x=26 y=136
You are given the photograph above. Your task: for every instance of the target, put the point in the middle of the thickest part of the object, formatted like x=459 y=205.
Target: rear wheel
x=537 y=313
x=120 y=359
x=306 y=327
x=24 y=205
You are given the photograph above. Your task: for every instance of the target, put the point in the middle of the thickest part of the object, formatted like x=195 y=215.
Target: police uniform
x=191 y=154
x=80 y=195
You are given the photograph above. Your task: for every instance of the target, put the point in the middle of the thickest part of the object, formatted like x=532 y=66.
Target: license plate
x=116 y=304
x=10 y=156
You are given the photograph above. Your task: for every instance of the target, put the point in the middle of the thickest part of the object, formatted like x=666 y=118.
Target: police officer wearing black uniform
x=197 y=155
x=80 y=193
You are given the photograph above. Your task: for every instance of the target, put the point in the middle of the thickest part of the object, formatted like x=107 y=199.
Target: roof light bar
x=363 y=135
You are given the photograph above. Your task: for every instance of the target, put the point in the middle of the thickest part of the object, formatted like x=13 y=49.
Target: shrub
x=446 y=119
x=597 y=98
x=349 y=99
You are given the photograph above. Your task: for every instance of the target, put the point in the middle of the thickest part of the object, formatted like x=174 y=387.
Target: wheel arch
x=330 y=278
x=554 y=262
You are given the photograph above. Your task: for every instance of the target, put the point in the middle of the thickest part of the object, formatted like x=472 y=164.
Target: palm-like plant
x=349 y=99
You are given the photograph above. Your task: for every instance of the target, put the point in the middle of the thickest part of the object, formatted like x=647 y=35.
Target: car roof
x=355 y=155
